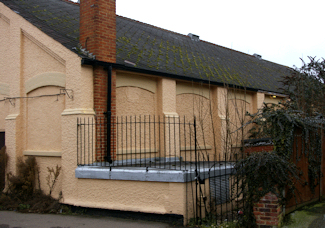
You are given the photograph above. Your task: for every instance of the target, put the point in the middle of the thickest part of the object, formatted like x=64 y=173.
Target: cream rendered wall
x=43 y=132
x=4 y=86
x=43 y=163
x=195 y=100
x=36 y=60
x=10 y=73
x=4 y=50
x=4 y=111
x=270 y=99
x=38 y=126
x=135 y=98
x=166 y=97
x=135 y=95
x=219 y=111
x=190 y=105
x=239 y=103
x=258 y=99
x=150 y=197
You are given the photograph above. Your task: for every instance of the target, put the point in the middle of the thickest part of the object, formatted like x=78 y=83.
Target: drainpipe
x=108 y=114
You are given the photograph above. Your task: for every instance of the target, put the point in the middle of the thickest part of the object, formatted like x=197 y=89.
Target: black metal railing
x=171 y=143
x=143 y=141
x=217 y=193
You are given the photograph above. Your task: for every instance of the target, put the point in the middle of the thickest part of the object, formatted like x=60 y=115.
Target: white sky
x=282 y=31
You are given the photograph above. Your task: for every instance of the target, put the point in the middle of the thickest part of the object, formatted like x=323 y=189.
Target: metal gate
x=215 y=190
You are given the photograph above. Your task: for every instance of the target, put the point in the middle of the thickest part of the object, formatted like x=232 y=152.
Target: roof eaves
x=92 y=62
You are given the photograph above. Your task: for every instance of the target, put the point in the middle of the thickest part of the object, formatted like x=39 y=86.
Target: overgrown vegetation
x=23 y=192
x=3 y=164
x=209 y=224
x=261 y=173
x=300 y=116
x=52 y=178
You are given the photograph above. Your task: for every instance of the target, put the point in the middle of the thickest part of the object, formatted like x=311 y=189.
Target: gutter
x=273 y=94
x=92 y=62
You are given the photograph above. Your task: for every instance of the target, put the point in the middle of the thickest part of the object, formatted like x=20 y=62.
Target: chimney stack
x=98 y=28
x=98 y=36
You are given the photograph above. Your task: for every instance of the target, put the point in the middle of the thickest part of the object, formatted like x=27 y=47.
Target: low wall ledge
x=12 y=116
x=150 y=174
x=78 y=111
x=43 y=153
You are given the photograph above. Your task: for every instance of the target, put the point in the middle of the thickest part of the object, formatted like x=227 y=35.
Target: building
x=53 y=73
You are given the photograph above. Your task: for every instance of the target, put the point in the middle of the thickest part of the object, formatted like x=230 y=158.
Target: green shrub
x=22 y=185
x=23 y=195
x=259 y=174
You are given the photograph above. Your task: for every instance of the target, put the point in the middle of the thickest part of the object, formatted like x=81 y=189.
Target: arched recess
x=127 y=80
x=43 y=113
x=135 y=95
x=135 y=101
x=183 y=88
x=189 y=105
x=237 y=109
x=45 y=79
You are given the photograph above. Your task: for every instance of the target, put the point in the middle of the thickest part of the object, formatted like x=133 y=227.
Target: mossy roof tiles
x=156 y=49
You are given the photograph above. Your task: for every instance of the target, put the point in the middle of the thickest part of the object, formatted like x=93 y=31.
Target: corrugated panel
x=220 y=189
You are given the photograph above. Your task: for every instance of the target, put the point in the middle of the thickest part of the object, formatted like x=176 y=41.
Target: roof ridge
x=154 y=26
x=207 y=42
x=240 y=52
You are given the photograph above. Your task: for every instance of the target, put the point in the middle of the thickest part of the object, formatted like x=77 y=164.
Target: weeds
x=22 y=194
x=52 y=178
x=233 y=224
x=208 y=223
x=22 y=186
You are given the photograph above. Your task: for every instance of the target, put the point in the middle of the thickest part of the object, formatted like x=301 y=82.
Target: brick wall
x=252 y=149
x=98 y=36
x=268 y=211
x=98 y=28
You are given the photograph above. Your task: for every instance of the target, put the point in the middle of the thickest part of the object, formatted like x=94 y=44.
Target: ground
x=10 y=219
x=312 y=216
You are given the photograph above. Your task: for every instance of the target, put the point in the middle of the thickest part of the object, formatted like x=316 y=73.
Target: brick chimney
x=98 y=36
x=98 y=28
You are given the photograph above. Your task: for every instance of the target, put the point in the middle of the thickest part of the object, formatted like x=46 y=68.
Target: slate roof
x=58 y=19
x=156 y=49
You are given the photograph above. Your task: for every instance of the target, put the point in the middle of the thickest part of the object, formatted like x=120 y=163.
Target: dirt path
x=10 y=219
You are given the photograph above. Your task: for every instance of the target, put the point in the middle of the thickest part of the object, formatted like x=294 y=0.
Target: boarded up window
x=2 y=139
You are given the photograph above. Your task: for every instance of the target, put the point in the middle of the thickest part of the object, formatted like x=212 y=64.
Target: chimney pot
x=194 y=37
x=257 y=56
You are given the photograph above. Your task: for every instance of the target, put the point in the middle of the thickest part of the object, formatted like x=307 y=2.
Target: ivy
x=297 y=119
x=259 y=174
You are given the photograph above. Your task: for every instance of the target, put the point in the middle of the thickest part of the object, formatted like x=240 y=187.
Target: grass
x=307 y=216
x=214 y=224
x=222 y=225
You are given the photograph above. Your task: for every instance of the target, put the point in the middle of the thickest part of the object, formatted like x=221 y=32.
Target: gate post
x=268 y=211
